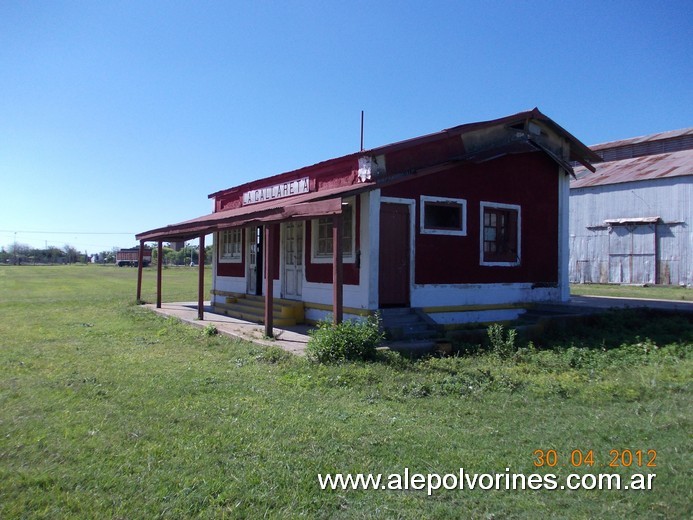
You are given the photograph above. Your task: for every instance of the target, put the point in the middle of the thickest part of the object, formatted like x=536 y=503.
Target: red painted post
x=139 y=271
x=201 y=280
x=269 y=277
x=159 y=264
x=337 y=270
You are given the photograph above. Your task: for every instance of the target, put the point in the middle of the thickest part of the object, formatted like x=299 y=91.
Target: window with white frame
x=500 y=234
x=443 y=216
x=321 y=244
x=231 y=245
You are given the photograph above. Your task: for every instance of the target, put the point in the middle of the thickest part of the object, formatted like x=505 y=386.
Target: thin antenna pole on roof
x=362 y=130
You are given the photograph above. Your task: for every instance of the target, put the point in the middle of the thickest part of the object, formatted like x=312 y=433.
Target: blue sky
x=118 y=117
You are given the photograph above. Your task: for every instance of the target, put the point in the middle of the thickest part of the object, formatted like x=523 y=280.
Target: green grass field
x=109 y=411
x=653 y=292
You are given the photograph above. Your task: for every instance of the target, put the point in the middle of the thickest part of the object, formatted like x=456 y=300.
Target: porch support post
x=139 y=271
x=269 y=277
x=337 y=270
x=159 y=264
x=201 y=280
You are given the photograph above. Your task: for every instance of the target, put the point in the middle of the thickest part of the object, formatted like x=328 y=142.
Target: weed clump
x=210 y=330
x=503 y=347
x=351 y=340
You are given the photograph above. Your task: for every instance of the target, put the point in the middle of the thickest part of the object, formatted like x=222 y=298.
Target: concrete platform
x=295 y=339
x=292 y=339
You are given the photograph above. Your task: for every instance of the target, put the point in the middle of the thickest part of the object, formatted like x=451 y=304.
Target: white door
x=293 y=260
x=252 y=249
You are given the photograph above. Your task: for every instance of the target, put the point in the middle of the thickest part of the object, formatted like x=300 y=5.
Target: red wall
x=529 y=180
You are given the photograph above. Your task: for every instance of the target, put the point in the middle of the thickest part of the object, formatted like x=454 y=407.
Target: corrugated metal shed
x=631 y=220
x=673 y=164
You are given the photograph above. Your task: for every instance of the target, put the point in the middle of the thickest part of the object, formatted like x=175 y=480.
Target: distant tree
x=169 y=256
x=54 y=255
x=71 y=254
x=19 y=253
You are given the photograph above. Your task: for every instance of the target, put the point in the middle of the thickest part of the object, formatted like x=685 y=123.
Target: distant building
x=630 y=221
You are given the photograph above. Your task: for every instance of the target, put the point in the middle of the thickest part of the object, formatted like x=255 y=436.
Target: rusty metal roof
x=647 y=167
x=672 y=134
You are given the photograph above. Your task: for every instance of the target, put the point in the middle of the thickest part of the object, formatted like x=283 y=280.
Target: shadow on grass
x=619 y=327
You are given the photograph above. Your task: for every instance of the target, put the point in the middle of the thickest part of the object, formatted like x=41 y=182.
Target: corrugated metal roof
x=674 y=164
x=672 y=134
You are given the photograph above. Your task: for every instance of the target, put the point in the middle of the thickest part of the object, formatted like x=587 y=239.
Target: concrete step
x=406 y=324
x=254 y=317
x=252 y=308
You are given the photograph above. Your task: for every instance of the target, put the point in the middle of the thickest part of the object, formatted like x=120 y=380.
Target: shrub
x=349 y=341
x=504 y=348
x=211 y=330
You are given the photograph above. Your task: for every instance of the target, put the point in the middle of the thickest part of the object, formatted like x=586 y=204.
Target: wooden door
x=393 y=276
x=293 y=260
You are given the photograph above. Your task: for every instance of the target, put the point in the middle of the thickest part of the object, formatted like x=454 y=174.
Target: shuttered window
x=231 y=245
x=322 y=236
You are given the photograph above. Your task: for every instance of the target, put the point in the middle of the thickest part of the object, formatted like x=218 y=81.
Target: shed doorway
x=632 y=254
x=394 y=277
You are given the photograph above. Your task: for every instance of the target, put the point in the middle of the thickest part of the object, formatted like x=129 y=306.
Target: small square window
x=443 y=216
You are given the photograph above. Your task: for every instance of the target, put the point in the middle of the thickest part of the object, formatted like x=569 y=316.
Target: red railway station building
x=469 y=224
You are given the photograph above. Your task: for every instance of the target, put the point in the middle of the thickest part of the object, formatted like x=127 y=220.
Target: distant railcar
x=130 y=257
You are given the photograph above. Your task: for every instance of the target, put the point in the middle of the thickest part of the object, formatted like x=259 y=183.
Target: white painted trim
x=397 y=200
x=436 y=295
x=422 y=216
x=373 y=252
x=412 y=239
x=486 y=204
x=235 y=284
